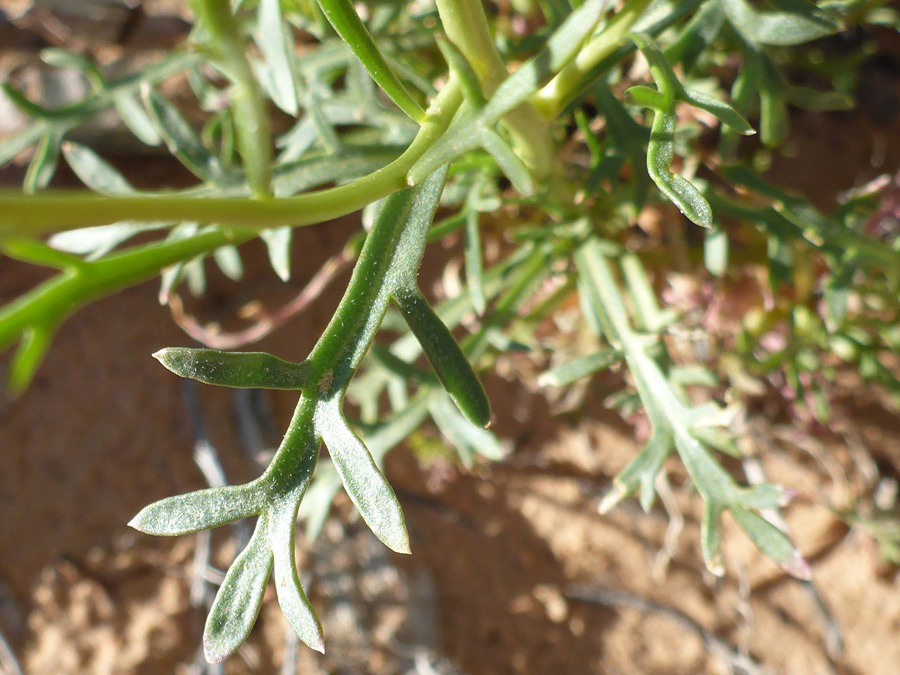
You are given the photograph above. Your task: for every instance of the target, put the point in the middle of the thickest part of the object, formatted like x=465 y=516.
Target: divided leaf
x=672 y=421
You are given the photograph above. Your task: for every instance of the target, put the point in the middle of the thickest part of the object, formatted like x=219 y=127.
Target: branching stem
x=59 y=210
x=467 y=27
x=554 y=96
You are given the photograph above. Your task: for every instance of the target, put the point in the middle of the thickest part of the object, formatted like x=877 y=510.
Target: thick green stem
x=467 y=27
x=554 y=96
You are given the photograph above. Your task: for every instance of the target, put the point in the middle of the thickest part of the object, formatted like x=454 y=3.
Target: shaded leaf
x=572 y=371
x=343 y=17
x=443 y=353
x=464 y=435
x=135 y=117
x=793 y=22
x=43 y=164
x=278 y=247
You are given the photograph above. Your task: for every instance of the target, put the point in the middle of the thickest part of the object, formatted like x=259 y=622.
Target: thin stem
x=59 y=211
x=247 y=104
x=554 y=96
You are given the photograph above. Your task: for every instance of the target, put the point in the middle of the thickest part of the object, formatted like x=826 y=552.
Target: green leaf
x=38 y=253
x=63 y=58
x=345 y=20
x=12 y=146
x=700 y=31
x=29 y=355
x=715 y=251
x=661 y=149
x=278 y=247
x=721 y=110
x=464 y=435
x=794 y=22
x=772 y=541
x=676 y=188
x=466 y=131
x=321 y=122
x=181 y=139
x=673 y=422
x=641 y=473
x=368 y=488
x=239 y=598
x=463 y=70
x=649 y=317
x=244 y=370
x=765 y=496
x=229 y=261
x=94 y=172
x=773 y=118
x=28 y=107
x=474 y=263
x=274 y=39
x=710 y=539
x=96 y=242
x=508 y=161
x=402 y=369
x=293 y=601
x=43 y=164
x=102 y=177
x=646 y=97
x=443 y=353
x=299 y=176
x=316 y=504
x=135 y=117
x=195 y=511
x=572 y=371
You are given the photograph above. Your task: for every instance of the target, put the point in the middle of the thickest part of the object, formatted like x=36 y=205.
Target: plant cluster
x=570 y=119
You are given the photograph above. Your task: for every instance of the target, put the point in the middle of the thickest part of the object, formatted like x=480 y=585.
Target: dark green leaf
x=794 y=22
x=449 y=363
